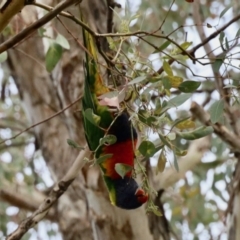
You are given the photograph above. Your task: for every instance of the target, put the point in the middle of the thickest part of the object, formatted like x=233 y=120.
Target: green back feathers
x=94 y=88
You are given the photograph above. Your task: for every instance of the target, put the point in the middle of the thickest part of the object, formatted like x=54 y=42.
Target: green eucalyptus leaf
x=167 y=68
x=108 y=140
x=216 y=110
x=224 y=11
x=175 y=162
x=161 y=162
x=74 y=144
x=162 y=47
x=147 y=149
x=122 y=169
x=103 y=158
x=217 y=64
x=197 y=133
x=164 y=140
x=3 y=56
x=53 y=56
x=137 y=80
x=189 y=86
x=61 y=40
x=178 y=100
x=166 y=83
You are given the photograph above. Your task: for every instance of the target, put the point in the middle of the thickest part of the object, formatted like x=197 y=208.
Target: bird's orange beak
x=141 y=195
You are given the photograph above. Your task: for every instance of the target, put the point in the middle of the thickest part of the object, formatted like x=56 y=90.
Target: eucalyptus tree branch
x=205 y=41
x=9 y=8
x=21 y=201
x=213 y=35
x=219 y=80
x=32 y=28
x=197 y=20
x=15 y=144
x=45 y=120
x=57 y=10
x=111 y=4
x=52 y=198
x=224 y=133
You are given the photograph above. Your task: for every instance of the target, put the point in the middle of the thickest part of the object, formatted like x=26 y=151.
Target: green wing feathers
x=93 y=88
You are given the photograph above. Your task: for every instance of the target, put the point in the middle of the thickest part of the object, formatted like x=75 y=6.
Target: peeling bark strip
x=5 y=5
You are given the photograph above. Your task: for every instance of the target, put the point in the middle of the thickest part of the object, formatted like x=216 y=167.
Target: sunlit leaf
x=175 y=81
x=186 y=45
x=171 y=136
x=185 y=124
x=167 y=68
x=216 y=110
x=122 y=169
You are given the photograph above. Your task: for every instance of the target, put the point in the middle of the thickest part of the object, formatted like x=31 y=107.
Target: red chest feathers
x=123 y=152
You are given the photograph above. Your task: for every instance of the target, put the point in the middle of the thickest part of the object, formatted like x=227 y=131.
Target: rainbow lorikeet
x=124 y=191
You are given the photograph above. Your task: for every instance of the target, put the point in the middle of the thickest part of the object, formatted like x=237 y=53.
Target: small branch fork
x=52 y=198
x=199 y=113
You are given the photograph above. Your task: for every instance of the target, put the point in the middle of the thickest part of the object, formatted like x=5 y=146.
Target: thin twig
x=32 y=28
x=213 y=35
x=43 y=121
x=110 y=7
